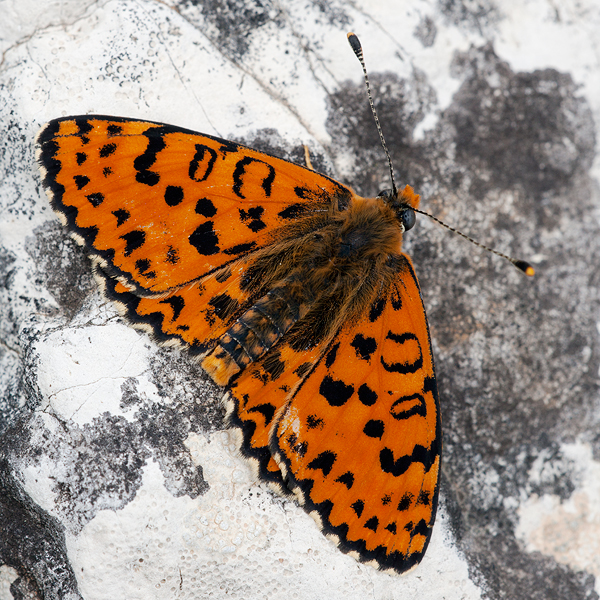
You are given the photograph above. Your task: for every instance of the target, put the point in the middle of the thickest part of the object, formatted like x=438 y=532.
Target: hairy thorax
x=318 y=281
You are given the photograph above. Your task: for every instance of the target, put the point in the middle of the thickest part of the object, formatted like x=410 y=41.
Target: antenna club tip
x=525 y=267
x=354 y=43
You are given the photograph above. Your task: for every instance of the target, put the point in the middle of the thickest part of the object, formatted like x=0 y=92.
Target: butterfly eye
x=407 y=218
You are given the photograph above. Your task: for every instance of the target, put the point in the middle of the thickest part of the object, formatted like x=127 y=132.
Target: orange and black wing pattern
x=256 y=397
x=159 y=207
x=293 y=293
x=360 y=440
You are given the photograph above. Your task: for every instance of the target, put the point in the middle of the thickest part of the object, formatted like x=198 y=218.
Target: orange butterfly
x=294 y=293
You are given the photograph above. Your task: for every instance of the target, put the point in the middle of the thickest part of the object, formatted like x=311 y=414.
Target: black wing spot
x=347 y=479
x=205 y=240
x=114 y=129
x=336 y=392
x=331 y=354
x=83 y=125
x=267 y=410
x=323 y=462
x=391 y=527
x=240 y=171
x=399 y=466
x=173 y=195
x=122 y=216
x=358 y=507
x=424 y=498
x=407 y=406
x=95 y=199
x=202 y=164
x=205 y=208
x=396 y=300
x=106 y=171
x=172 y=256
x=366 y=395
x=239 y=249
x=405 y=502
x=364 y=346
x=81 y=181
x=376 y=309
x=252 y=218
x=372 y=524
x=374 y=429
x=407 y=367
x=314 y=422
x=386 y=500
x=133 y=240
x=293 y=211
x=421 y=528
x=303 y=193
x=142 y=265
x=107 y=150
x=143 y=162
x=177 y=303
x=80 y=157
x=149 y=178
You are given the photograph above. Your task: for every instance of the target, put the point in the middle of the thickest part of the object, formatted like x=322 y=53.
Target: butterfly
x=294 y=294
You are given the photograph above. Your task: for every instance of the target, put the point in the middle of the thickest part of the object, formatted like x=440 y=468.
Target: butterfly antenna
x=520 y=264
x=357 y=48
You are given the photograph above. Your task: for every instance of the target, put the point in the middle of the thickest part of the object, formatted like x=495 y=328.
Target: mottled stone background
x=117 y=479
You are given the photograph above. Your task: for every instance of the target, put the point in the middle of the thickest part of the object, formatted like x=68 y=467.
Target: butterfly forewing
x=160 y=206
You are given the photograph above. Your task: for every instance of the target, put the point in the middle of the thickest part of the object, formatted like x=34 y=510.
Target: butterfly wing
x=360 y=441
x=256 y=397
x=193 y=316
x=177 y=223
x=159 y=207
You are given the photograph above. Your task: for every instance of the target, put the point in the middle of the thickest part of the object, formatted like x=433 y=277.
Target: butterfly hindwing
x=159 y=206
x=360 y=441
x=195 y=315
x=257 y=396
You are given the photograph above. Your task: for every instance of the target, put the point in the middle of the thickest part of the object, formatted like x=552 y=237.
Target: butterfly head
x=403 y=204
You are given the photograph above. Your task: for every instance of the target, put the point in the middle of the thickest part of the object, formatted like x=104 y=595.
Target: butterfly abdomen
x=257 y=330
